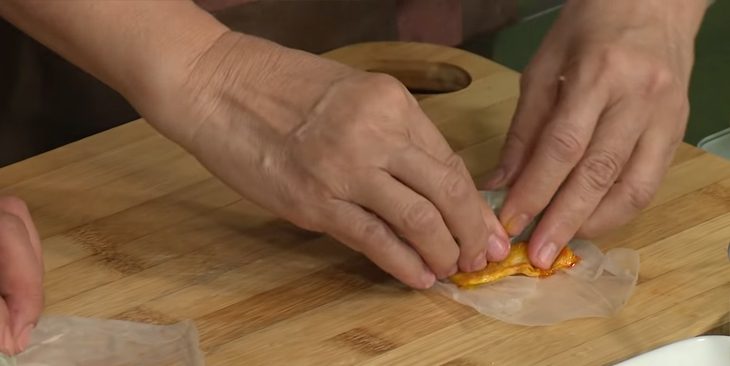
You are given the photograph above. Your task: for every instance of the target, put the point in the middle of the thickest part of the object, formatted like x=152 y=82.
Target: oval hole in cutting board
x=424 y=78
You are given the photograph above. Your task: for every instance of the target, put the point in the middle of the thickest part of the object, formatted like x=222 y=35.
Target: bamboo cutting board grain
x=134 y=228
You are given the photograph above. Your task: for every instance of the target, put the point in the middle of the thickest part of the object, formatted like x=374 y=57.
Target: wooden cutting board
x=134 y=228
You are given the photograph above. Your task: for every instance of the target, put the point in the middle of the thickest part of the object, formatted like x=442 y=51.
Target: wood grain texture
x=134 y=228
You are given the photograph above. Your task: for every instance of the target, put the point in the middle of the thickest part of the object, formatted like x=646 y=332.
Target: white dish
x=717 y=143
x=699 y=351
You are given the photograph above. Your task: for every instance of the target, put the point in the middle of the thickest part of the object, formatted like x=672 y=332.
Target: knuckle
x=455 y=185
x=515 y=146
x=421 y=217
x=649 y=75
x=600 y=170
x=639 y=196
x=658 y=78
x=515 y=142
x=615 y=56
x=612 y=58
x=604 y=62
x=456 y=162
x=10 y=223
x=371 y=231
x=565 y=146
x=387 y=87
x=13 y=205
x=460 y=167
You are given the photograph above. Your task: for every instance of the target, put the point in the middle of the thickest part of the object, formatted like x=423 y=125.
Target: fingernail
x=24 y=337
x=516 y=224
x=427 y=280
x=479 y=262
x=497 y=247
x=546 y=255
x=495 y=178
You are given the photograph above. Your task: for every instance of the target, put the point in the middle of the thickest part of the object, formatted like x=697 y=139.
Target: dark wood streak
x=364 y=341
x=143 y=314
x=459 y=362
x=105 y=250
x=286 y=301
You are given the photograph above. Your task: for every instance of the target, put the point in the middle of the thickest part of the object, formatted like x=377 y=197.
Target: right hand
x=335 y=150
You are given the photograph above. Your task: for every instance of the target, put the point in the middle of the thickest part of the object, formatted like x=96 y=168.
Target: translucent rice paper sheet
x=598 y=286
x=72 y=341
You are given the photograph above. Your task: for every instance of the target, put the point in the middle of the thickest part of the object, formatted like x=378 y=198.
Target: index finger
x=459 y=204
x=558 y=150
x=470 y=219
x=612 y=145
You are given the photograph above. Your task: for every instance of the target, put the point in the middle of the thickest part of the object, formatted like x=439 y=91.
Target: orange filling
x=515 y=263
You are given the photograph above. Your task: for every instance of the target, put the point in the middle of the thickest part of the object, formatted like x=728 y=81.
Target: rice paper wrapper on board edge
x=73 y=341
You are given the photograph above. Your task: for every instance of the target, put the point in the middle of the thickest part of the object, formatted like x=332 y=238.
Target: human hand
x=336 y=150
x=603 y=108
x=21 y=275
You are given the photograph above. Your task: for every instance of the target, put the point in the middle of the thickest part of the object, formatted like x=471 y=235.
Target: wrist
x=161 y=66
x=680 y=20
x=683 y=15
x=665 y=27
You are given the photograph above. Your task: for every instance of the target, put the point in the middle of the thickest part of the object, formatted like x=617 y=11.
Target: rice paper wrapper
x=598 y=286
x=74 y=341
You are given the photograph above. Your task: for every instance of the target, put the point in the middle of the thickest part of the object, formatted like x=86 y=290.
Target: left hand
x=21 y=275
x=603 y=108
